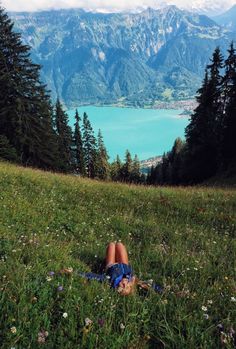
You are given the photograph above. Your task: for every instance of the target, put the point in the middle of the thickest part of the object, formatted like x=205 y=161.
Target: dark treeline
x=35 y=133
x=127 y=171
x=210 y=146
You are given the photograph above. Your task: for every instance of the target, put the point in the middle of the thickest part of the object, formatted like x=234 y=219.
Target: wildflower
x=233 y=299
x=210 y=301
x=206 y=316
x=60 y=288
x=13 y=329
x=204 y=308
x=88 y=321
x=42 y=335
x=51 y=273
x=41 y=339
x=101 y=322
x=65 y=315
x=48 y=278
x=224 y=338
x=122 y=326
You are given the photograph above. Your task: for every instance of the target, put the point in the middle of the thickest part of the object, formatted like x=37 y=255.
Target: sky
x=112 y=5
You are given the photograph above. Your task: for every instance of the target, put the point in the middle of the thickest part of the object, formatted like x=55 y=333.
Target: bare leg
x=110 y=254
x=121 y=254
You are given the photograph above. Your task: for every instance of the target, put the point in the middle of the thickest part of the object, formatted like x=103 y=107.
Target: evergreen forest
x=210 y=146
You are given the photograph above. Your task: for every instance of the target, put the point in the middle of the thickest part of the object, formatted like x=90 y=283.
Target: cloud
x=106 y=5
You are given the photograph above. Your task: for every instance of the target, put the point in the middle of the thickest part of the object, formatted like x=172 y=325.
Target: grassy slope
x=182 y=238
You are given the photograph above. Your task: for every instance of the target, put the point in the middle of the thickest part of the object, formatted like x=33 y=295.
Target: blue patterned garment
x=119 y=271
x=114 y=275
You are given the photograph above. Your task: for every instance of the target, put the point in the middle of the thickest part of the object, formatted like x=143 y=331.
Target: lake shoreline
x=185 y=105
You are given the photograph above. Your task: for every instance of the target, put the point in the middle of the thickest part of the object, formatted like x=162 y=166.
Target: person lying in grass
x=119 y=272
x=118 y=269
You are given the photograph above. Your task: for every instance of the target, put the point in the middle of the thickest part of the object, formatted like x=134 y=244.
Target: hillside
x=184 y=239
x=227 y=19
x=126 y=58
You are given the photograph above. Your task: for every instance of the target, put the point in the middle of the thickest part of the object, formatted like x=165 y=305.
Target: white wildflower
x=122 y=326
x=204 y=308
x=13 y=329
x=88 y=321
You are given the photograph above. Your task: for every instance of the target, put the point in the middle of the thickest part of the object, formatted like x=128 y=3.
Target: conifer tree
x=103 y=167
x=65 y=138
x=90 y=147
x=25 y=114
x=7 y=151
x=228 y=145
x=203 y=129
x=175 y=159
x=116 y=169
x=79 y=150
x=135 y=175
x=151 y=176
x=215 y=111
x=127 y=167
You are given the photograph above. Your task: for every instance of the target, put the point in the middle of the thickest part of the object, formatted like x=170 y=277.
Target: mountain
x=228 y=19
x=207 y=7
x=124 y=58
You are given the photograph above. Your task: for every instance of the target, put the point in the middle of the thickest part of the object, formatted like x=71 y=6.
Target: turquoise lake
x=145 y=132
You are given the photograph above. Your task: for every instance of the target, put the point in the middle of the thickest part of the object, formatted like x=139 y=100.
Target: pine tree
x=127 y=167
x=103 y=167
x=79 y=150
x=228 y=144
x=135 y=175
x=151 y=176
x=116 y=169
x=65 y=138
x=203 y=129
x=215 y=111
x=25 y=115
x=7 y=151
x=90 y=148
x=175 y=159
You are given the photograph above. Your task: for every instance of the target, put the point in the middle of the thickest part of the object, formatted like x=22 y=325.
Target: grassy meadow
x=183 y=238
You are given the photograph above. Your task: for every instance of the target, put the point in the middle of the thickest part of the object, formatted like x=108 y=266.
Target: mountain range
x=121 y=58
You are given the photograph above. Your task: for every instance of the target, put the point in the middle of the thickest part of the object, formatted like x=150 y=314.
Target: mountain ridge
x=138 y=59
x=227 y=19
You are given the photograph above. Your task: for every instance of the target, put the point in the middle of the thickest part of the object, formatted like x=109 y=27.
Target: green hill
x=183 y=238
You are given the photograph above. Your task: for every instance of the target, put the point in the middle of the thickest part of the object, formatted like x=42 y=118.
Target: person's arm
x=147 y=285
x=93 y=276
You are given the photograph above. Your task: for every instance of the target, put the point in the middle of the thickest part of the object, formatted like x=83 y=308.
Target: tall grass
x=183 y=238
